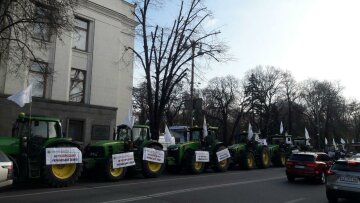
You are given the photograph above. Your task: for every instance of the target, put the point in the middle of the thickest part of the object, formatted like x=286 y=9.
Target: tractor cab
x=134 y=137
x=197 y=134
x=180 y=133
x=34 y=132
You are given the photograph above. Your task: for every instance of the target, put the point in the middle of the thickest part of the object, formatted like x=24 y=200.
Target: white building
x=91 y=85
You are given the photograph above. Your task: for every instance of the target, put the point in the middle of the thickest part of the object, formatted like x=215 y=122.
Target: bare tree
x=220 y=97
x=27 y=25
x=166 y=52
x=264 y=85
x=291 y=93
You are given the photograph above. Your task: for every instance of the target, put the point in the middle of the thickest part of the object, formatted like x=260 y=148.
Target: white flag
x=326 y=142
x=334 y=143
x=129 y=119
x=342 y=141
x=353 y=141
x=250 y=132
x=205 y=130
x=167 y=135
x=281 y=128
x=307 y=137
x=23 y=97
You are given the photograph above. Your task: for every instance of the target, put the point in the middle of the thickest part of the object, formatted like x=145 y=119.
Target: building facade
x=85 y=78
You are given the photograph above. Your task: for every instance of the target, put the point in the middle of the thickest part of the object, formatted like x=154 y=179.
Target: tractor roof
x=38 y=118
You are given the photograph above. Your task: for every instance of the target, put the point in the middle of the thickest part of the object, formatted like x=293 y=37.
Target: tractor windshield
x=180 y=135
x=139 y=134
x=44 y=129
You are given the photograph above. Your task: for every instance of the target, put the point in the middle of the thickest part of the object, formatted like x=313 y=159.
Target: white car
x=6 y=171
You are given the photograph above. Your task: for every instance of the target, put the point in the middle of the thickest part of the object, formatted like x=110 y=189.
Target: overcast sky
x=312 y=38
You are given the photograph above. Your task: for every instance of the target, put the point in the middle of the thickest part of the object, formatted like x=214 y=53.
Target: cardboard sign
x=223 y=154
x=202 y=156
x=123 y=160
x=63 y=155
x=153 y=155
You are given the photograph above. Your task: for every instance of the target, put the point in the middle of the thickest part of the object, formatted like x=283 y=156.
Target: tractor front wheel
x=113 y=174
x=62 y=175
x=221 y=166
x=193 y=166
x=152 y=169
x=280 y=159
x=248 y=161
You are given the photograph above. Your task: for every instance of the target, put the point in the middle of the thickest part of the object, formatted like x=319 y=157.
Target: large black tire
x=263 y=158
x=247 y=161
x=112 y=174
x=221 y=166
x=152 y=169
x=332 y=198
x=62 y=175
x=279 y=159
x=192 y=166
x=290 y=178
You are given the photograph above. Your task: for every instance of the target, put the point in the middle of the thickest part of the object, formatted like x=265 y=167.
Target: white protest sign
x=123 y=160
x=153 y=155
x=223 y=154
x=202 y=156
x=63 y=155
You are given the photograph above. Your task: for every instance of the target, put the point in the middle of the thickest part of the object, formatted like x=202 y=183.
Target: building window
x=76 y=130
x=77 y=85
x=80 y=39
x=38 y=76
x=100 y=132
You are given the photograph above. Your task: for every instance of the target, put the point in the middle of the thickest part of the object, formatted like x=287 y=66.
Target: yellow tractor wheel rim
x=198 y=165
x=223 y=163
x=63 y=171
x=116 y=172
x=266 y=158
x=250 y=162
x=154 y=167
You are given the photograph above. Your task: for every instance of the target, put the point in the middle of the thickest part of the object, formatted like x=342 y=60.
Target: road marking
x=120 y=184
x=191 y=190
x=295 y=200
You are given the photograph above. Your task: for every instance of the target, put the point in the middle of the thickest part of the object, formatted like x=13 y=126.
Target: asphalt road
x=262 y=185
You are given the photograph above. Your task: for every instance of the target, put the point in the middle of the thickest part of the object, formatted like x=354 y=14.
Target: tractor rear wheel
x=221 y=166
x=152 y=169
x=62 y=175
x=193 y=166
x=263 y=158
x=248 y=161
x=113 y=174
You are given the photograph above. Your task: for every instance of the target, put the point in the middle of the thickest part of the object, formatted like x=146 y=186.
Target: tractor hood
x=10 y=145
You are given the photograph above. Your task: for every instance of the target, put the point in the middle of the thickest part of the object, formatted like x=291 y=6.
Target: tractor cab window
x=278 y=140
x=44 y=129
x=139 y=134
x=123 y=134
x=196 y=135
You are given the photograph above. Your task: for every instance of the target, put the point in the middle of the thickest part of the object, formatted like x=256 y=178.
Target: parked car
x=312 y=165
x=6 y=170
x=343 y=180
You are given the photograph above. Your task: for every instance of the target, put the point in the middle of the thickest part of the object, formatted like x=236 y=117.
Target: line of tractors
x=39 y=150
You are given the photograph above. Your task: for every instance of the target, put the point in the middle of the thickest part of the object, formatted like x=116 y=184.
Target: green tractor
x=39 y=150
x=249 y=153
x=131 y=150
x=280 y=149
x=198 y=152
x=301 y=144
